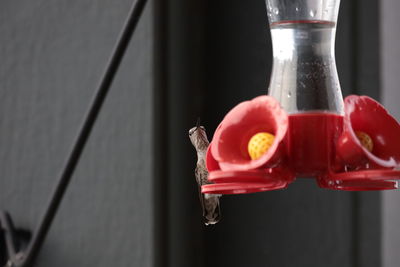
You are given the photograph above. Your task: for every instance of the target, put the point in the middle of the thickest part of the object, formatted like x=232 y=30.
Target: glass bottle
x=305 y=81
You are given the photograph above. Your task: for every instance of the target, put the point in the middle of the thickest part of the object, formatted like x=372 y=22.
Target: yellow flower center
x=365 y=140
x=259 y=144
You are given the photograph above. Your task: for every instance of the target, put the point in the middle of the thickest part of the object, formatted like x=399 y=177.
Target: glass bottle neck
x=304 y=76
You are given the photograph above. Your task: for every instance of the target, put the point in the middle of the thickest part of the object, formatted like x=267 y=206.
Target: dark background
x=219 y=55
x=133 y=200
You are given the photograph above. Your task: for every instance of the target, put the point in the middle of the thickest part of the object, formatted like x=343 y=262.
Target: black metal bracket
x=17 y=249
x=15 y=240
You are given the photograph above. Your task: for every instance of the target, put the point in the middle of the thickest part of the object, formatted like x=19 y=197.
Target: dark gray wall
x=390 y=58
x=52 y=54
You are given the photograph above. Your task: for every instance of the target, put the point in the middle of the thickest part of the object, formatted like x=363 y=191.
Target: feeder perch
x=303 y=128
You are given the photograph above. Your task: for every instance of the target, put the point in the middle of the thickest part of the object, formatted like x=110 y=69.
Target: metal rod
x=84 y=133
x=9 y=234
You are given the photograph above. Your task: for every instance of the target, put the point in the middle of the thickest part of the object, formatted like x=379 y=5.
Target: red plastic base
x=307 y=144
x=365 y=180
x=251 y=181
x=242 y=188
x=252 y=176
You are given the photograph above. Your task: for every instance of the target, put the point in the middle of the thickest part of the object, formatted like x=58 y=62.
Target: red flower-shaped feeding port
x=231 y=168
x=369 y=147
x=360 y=151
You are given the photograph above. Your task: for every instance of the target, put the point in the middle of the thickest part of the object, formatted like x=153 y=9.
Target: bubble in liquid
x=289 y=94
x=312 y=13
x=302 y=35
x=297 y=9
x=276 y=11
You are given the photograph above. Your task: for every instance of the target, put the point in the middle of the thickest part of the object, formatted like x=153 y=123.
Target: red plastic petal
x=211 y=163
x=366 y=115
x=262 y=114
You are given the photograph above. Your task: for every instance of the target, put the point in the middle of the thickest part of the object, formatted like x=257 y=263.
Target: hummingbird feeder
x=303 y=128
